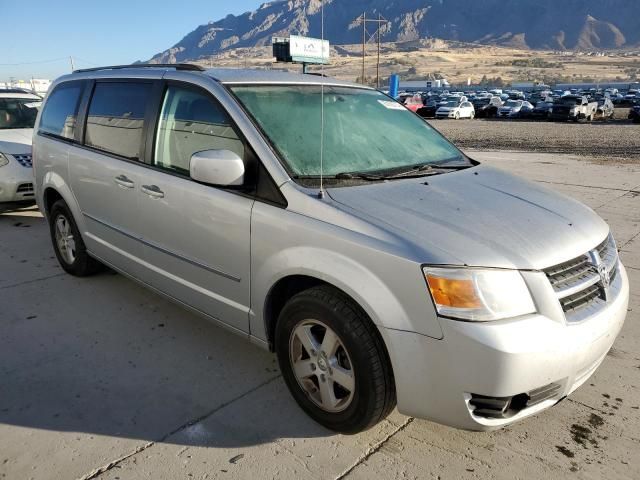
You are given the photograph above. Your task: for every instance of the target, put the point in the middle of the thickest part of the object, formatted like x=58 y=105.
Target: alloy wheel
x=64 y=239
x=321 y=365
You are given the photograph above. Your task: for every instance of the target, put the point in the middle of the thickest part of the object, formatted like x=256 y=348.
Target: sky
x=38 y=36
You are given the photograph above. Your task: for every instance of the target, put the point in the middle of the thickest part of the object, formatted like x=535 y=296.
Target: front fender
x=389 y=288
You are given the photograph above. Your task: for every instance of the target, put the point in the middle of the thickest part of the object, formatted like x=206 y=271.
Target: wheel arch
x=280 y=293
x=289 y=286
x=55 y=188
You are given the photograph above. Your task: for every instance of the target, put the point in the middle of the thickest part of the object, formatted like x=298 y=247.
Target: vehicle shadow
x=104 y=356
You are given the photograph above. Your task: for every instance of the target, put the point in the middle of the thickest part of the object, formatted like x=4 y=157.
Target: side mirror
x=222 y=168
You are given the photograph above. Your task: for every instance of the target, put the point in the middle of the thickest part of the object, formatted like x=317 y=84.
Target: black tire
x=82 y=265
x=374 y=396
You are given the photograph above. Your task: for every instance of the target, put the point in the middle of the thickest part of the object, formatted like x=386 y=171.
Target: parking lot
x=100 y=378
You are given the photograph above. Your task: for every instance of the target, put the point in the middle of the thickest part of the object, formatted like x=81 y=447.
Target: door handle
x=124 y=182
x=153 y=191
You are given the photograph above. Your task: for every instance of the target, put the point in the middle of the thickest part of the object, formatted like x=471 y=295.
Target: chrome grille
x=584 y=281
x=24 y=160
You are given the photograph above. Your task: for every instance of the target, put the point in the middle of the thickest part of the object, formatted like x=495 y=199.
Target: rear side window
x=61 y=110
x=192 y=122
x=115 y=119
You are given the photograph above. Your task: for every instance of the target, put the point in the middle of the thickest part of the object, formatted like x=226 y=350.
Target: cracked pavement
x=100 y=378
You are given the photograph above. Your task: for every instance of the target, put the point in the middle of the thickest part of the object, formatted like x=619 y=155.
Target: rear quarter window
x=60 y=112
x=115 y=119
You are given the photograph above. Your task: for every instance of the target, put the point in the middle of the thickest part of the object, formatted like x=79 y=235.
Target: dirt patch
x=565 y=451
x=602 y=143
x=583 y=436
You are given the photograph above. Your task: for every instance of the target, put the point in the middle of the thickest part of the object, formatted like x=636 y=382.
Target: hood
x=16 y=141
x=478 y=217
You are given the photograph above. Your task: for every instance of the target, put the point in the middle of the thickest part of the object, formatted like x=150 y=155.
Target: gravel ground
x=618 y=140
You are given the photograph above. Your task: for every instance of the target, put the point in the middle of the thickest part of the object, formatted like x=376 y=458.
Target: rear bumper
x=439 y=379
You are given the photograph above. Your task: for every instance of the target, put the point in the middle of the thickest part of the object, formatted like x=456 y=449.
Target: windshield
x=482 y=101
x=451 y=104
x=364 y=130
x=18 y=112
x=512 y=103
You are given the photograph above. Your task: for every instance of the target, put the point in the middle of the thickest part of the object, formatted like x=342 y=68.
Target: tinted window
x=192 y=122
x=61 y=110
x=115 y=119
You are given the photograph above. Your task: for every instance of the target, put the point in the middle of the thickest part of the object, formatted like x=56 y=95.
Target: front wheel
x=68 y=244
x=333 y=361
x=457 y=117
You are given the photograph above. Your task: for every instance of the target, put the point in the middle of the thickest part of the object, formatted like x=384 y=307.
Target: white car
x=18 y=113
x=456 y=111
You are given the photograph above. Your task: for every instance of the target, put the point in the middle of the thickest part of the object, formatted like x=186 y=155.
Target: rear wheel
x=472 y=116
x=333 y=361
x=68 y=244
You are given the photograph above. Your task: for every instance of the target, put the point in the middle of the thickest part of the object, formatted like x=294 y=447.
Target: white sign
x=311 y=50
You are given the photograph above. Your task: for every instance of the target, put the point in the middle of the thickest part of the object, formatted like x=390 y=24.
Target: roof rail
x=178 y=66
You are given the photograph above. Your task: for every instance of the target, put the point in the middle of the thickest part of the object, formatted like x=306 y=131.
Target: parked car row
x=569 y=107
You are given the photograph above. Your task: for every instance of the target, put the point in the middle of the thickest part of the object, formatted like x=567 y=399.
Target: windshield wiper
x=415 y=172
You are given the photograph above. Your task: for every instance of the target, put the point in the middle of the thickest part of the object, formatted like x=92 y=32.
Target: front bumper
x=16 y=182
x=438 y=379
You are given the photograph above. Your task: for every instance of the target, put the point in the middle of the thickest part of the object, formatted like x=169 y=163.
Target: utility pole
x=72 y=66
x=365 y=39
x=378 y=64
x=364 y=43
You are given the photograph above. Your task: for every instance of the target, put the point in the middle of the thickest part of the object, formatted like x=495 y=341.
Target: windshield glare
x=364 y=130
x=18 y=112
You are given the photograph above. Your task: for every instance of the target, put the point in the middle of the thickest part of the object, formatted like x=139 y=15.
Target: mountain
x=534 y=24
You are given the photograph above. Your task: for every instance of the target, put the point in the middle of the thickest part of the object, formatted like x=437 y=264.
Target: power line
x=32 y=63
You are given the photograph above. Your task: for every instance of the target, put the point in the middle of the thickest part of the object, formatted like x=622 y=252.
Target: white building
x=38 y=85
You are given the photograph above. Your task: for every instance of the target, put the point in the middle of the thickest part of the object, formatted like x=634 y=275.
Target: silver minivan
x=326 y=222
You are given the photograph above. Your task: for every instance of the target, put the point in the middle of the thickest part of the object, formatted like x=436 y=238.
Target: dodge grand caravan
x=328 y=223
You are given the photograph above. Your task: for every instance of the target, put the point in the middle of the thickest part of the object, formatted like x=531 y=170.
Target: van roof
x=226 y=75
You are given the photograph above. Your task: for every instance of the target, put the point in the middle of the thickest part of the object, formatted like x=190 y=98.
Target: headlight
x=480 y=295
x=3 y=160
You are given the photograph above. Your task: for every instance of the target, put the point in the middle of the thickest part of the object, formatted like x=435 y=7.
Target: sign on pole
x=301 y=50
